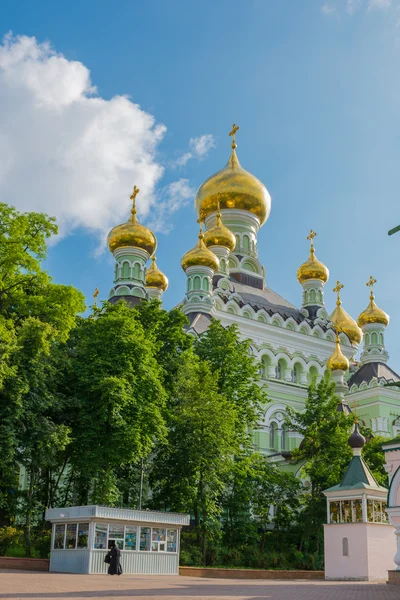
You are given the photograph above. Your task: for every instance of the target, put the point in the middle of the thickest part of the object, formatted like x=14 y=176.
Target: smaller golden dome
x=338 y=361
x=343 y=321
x=372 y=314
x=200 y=255
x=312 y=268
x=132 y=233
x=219 y=235
x=156 y=278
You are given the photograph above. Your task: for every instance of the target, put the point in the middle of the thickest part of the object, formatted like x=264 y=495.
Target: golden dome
x=219 y=235
x=312 y=268
x=156 y=278
x=234 y=188
x=132 y=233
x=372 y=314
x=338 y=361
x=343 y=321
x=200 y=255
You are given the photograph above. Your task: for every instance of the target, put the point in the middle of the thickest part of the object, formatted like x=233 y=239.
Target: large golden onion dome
x=372 y=314
x=132 y=233
x=343 y=321
x=219 y=235
x=200 y=256
x=233 y=187
x=156 y=278
x=312 y=268
x=338 y=361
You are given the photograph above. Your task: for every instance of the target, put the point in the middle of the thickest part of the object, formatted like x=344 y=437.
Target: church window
x=374 y=338
x=222 y=265
x=345 y=546
x=116 y=272
x=237 y=247
x=312 y=374
x=136 y=271
x=126 y=270
x=232 y=264
x=381 y=338
x=196 y=283
x=246 y=243
x=273 y=436
x=206 y=284
x=283 y=438
x=265 y=363
x=297 y=371
x=313 y=297
x=280 y=369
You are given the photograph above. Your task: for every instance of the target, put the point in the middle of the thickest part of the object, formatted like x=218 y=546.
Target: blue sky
x=314 y=86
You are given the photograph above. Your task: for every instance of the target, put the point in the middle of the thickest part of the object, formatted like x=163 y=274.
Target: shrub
x=9 y=536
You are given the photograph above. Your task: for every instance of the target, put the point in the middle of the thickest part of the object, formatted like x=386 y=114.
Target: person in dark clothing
x=115 y=565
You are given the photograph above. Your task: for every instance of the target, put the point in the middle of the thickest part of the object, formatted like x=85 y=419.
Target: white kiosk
x=81 y=536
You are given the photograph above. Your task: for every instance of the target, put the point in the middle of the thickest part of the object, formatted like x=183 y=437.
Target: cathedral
x=225 y=280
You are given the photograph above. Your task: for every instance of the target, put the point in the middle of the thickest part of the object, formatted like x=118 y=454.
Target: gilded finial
x=370 y=283
x=232 y=134
x=133 y=198
x=95 y=294
x=339 y=286
x=311 y=237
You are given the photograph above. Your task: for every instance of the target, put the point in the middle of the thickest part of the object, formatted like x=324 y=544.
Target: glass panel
x=357 y=511
x=116 y=532
x=384 y=513
x=83 y=534
x=130 y=537
x=158 y=535
x=377 y=511
x=145 y=538
x=172 y=540
x=118 y=543
x=59 y=537
x=334 y=512
x=346 y=511
x=100 y=538
x=154 y=546
x=70 y=539
x=370 y=510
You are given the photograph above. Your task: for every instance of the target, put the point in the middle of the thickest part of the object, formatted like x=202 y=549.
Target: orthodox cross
x=133 y=198
x=339 y=286
x=232 y=134
x=370 y=283
x=311 y=237
x=95 y=294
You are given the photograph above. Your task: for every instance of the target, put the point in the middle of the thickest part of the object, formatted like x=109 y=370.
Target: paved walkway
x=18 y=585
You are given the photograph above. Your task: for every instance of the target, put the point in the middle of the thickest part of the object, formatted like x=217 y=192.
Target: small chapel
x=294 y=345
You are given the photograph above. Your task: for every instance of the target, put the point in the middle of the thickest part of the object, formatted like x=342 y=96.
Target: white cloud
x=199 y=148
x=171 y=198
x=353 y=6
x=66 y=151
x=379 y=4
x=328 y=9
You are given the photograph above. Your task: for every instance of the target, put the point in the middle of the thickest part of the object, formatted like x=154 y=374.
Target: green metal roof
x=357 y=476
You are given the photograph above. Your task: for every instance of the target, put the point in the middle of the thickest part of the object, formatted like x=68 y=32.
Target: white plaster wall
x=381 y=550
x=372 y=547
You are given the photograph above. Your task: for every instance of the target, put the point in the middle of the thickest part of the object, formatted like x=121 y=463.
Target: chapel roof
x=371 y=370
x=357 y=476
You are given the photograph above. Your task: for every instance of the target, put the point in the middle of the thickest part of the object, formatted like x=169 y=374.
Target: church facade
x=293 y=345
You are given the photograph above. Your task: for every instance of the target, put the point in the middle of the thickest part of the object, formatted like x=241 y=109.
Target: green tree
x=115 y=385
x=36 y=315
x=325 y=453
x=374 y=456
x=190 y=472
x=236 y=371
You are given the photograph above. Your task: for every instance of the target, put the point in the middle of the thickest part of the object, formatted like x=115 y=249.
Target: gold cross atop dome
x=232 y=134
x=370 y=283
x=311 y=236
x=339 y=286
x=133 y=198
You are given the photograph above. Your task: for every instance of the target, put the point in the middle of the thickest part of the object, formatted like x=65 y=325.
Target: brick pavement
x=18 y=585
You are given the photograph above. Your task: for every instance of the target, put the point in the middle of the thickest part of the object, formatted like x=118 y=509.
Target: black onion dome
x=356 y=440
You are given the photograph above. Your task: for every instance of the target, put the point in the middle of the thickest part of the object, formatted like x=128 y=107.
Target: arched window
x=297 y=371
x=272 y=436
x=313 y=296
x=265 y=363
x=374 y=338
x=283 y=438
x=237 y=247
x=246 y=243
x=280 y=369
x=136 y=271
x=222 y=265
x=312 y=374
x=126 y=270
x=196 y=283
x=206 y=284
